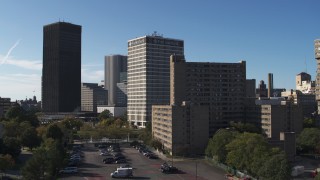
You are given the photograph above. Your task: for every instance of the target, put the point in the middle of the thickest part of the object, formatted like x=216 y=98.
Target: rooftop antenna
x=305 y=63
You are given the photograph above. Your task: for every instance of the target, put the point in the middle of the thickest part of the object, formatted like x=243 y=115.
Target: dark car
x=108 y=160
x=118 y=158
x=152 y=156
x=168 y=169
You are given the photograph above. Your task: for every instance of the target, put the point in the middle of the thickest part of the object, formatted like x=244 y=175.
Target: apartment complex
x=92 y=96
x=149 y=74
x=61 y=72
x=115 y=72
x=203 y=98
x=317 y=56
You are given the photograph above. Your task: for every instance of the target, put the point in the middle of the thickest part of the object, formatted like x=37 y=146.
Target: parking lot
x=92 y=167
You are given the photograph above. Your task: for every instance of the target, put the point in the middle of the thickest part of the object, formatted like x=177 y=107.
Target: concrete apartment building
x=61 y=72
x=281 y=119
x=304 y=83
x=203 y=98
x=317 y=56
x=5 y=105
x=307 y=102
x=92 y=96
x=115 y=72
x=280 y=116
x=149 y=74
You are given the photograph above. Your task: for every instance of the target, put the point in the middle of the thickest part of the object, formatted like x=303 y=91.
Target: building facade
x=61 y=72
x=92 y=96
x=203 y=98
x=304 y=83
x=122 y=97
x=182 y=129
x=5 y=105
x=149 y=74
x=115 y=72
x=307 y=102
x=317 y=56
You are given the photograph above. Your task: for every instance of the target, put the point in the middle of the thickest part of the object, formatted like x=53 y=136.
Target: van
x=122 y=173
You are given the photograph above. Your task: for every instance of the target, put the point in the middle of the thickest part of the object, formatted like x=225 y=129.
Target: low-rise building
x=306 y=101
x=92 y=95
x=5 y=105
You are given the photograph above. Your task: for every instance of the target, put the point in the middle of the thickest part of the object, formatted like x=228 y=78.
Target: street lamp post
x=196 y=170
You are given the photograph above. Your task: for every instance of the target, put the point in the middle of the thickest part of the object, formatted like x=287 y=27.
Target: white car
x=69 y=170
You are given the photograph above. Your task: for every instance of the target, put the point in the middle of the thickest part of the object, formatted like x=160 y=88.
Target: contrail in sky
x=9 y=52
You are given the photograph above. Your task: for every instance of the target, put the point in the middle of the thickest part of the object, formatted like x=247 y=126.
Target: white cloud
x=94 y=76
x=22 y=63
x=26 y=64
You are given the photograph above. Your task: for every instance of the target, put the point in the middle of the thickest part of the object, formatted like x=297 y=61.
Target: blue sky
x=272 y=36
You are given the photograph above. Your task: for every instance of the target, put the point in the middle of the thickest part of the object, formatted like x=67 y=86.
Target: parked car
x=118 y=158
x=165 y=168
x=104 y=154
x=125 y=166
x=108 y=160
x=120 y=161
x=152 y=156
x=69 y=170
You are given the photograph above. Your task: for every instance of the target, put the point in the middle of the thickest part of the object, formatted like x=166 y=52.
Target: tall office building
x=317 y=56
x=61 y=73
x=115 y=72
x=149 y=74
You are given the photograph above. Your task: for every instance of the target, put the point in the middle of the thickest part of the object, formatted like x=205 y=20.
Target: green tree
x=15 y=112
x=72 y=124
x=55 y=156
x=216 y=147
x=276 y=167
x=6 y=162
x=105 y=115
x=309 y=123
x=156 y=144
x=18 y=114
x=29 y=138
x=245 y=127
x=37 y=166
x=309 y=139
x=11 y=129
x=12 y=146
x=54 y=132
x=244 y=151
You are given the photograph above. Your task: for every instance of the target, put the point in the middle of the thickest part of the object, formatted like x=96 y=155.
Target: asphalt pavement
x=92 y=167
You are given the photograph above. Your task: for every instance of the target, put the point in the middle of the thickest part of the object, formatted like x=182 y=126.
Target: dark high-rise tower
x=61 y=73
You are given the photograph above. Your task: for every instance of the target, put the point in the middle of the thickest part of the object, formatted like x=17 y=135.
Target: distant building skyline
x=61 y=73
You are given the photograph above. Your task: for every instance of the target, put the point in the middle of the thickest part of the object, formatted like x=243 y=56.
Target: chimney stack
x=270 y=85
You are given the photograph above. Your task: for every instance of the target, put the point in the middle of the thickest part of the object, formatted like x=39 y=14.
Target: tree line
x=248 y=152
